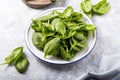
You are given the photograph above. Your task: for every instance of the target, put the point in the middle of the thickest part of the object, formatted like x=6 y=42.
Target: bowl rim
x=29 y=48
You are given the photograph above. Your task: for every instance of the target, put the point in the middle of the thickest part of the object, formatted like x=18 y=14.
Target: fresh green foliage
x=67 y=12
x=51 y=47
x=86 y=5
x=16 y=58
x=62 y=34
x=100 y=8
x=37 y=40
x=22 y=65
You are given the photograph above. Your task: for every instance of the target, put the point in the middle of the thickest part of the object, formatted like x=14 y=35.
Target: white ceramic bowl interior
x=40 y=54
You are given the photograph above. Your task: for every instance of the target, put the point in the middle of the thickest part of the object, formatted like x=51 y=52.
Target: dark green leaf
x=65 y=55
x=37 y=40
x=51 y=48
x=14 y=56
x=80 y=35
x=22 y=65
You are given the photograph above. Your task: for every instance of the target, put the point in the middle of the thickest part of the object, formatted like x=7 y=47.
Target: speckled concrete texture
x=14 y=18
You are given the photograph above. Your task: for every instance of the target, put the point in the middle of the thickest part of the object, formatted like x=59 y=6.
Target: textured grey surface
x=14 y=17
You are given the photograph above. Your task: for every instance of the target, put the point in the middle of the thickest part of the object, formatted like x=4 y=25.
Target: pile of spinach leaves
x=61 y=34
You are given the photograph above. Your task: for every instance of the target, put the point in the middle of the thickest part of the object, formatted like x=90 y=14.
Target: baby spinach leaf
x=46 y=33
x=102 y=7
x=86 y=5
x=69 y=33
x=79 y=35
x=60 y=28
x=88 y=27
x=37 y=40
x=76 y=16
x=65 y=55
x=37 y=25
x=67 y=12
x=51 y=47
x=14 y=56
x=77 y=44
x=54 y=23
x=48 y=17
x=22 y=65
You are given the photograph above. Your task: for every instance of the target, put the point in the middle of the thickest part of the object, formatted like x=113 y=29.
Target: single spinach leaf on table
x=102 y=7
x=14 y=56
x=86 y=5
x=22 y=64
x=51 y=47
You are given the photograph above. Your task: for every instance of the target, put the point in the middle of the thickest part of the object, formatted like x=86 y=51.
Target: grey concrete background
x=14 y=17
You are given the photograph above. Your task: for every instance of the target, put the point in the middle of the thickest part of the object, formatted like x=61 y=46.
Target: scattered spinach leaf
x=14 y=56
x=86 y=5
x=22 y=64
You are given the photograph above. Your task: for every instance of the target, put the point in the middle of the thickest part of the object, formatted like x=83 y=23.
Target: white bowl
x=39 y=54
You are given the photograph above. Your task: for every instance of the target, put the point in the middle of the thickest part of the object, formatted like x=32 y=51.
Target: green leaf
x=48 y=25
x=86 y=5
x=48 y=17
x=22 y=64
x=80 y=35
x=78 y=44
x=102 y=7
x=14 y=56
x=46 y=33
x=67 y=12
x=88 y=27
x=65 y=55
x=54 y=23
x=37 y=25
x=37 y=40
x=51 y=48
x=69 y=33
x=60 y=27
x=76 y=16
